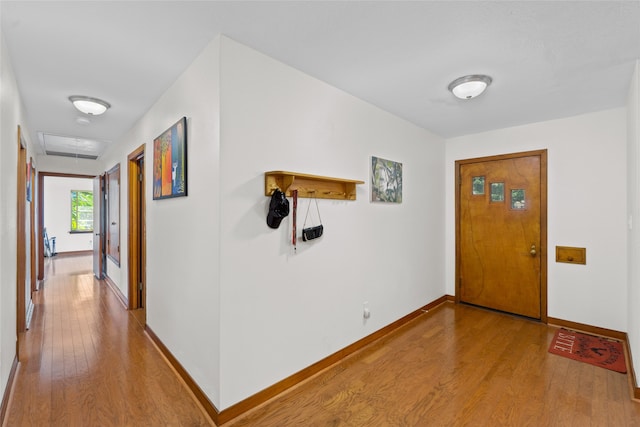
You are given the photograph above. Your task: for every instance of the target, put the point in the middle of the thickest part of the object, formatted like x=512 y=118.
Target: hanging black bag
x=312 y=232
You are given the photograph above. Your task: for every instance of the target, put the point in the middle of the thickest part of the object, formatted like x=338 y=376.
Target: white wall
x=281 y=311
x=57 y=213
x=586 y=208
x=633 y=208
x=11 y=115
x=61 y=164
x=182 y=233
x=225 y=293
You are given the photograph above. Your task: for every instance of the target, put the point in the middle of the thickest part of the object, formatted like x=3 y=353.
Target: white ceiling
x=548 y=59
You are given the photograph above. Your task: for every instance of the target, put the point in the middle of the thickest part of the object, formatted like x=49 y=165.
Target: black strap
x=307 y=215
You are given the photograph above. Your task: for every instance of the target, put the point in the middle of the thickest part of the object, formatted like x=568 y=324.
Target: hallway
x=86 y=361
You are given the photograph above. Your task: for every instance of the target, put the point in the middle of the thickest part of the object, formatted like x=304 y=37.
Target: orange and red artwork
x=170 y=162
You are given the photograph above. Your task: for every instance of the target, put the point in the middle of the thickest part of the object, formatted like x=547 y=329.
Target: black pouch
x=312 y=232
x=315 y=231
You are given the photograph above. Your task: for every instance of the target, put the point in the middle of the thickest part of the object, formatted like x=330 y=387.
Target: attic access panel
x=65 y=146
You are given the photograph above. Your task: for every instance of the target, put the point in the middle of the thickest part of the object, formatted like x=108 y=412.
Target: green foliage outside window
x=81 y=210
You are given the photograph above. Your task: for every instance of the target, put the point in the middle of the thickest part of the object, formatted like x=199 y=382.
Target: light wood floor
x=87 y=362
x=457 y=366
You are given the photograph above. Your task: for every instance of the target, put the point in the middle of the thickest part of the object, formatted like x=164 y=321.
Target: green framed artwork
x=386 y=180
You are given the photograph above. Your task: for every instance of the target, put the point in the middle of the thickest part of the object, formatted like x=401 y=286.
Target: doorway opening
x=62 y=204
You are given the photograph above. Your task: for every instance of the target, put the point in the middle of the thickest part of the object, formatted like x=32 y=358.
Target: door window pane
x=477 y=186
x=497 y=191
x=517 y=199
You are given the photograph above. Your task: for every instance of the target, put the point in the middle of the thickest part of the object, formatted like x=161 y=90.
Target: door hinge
x=140 y=286
x=140 y=177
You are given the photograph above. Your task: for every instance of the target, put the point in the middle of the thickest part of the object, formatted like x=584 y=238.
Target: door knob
x=533 y=250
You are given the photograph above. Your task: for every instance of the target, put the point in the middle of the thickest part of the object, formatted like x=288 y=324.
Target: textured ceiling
x=548 y=59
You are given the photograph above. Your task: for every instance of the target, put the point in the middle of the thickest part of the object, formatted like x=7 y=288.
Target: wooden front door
x=501 y=233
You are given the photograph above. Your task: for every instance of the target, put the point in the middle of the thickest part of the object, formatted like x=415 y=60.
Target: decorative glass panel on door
x=517 y=199
x=477 y=185
x=497 y=191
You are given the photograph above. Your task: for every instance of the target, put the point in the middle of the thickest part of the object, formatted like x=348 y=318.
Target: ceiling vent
x=76 y=156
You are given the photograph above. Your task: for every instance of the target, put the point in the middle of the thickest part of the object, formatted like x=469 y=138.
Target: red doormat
x=597 y=351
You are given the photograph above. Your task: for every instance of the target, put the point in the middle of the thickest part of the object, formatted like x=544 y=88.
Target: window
x=81 y=211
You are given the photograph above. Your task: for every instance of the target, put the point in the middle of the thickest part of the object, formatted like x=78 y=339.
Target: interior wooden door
x=137 y=232
x=501 y=233
x=23 y=290
x=112 y=213
x=98 y=226
x=142 y=237
x=32 y=219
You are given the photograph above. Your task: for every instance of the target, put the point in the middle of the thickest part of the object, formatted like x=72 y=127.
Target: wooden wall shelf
x=321 y=187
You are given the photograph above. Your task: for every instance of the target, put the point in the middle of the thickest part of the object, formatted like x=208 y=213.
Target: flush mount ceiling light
x=88 y=105
x=468 y=87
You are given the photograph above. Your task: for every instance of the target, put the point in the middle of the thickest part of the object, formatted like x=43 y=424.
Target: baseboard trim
x=116 y=290
x=633 y=379
x=285 y=384
x=200 y=396
x=8 y=390
x=593 y=330
x=609 y=333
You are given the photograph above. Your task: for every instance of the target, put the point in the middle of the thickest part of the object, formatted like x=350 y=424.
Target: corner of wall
x=183 y=292
x=633 y=212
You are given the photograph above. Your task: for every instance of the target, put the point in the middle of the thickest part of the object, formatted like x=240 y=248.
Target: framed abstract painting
x=386 y=180
x=170 y=162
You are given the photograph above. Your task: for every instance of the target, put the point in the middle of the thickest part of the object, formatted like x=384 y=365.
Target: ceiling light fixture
x=88 y=105
x=468 y=87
